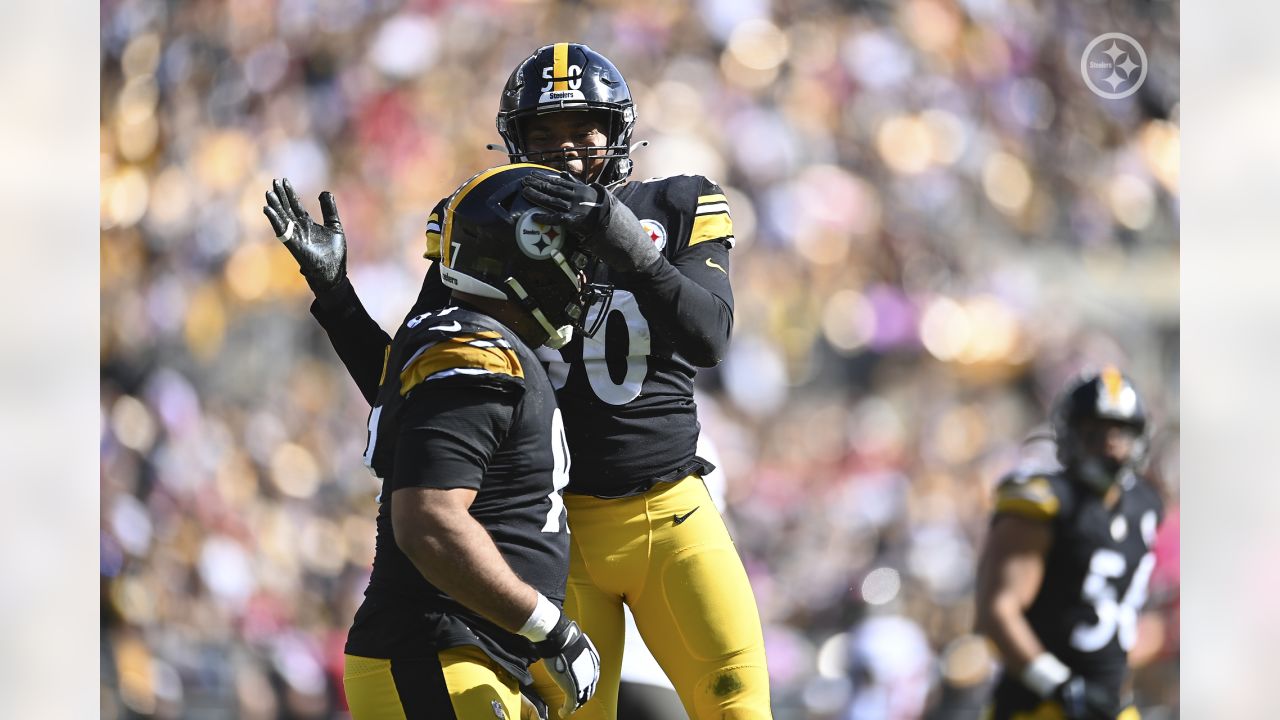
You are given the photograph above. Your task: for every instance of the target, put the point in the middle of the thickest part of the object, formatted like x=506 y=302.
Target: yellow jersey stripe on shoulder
x=483 y=353
x=432 y=250
x=708 y=199
x=1032 y=498
x=717 y=226
x=1027 y=508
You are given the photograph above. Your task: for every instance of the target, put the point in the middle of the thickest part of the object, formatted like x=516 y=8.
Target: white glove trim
x=541 y=621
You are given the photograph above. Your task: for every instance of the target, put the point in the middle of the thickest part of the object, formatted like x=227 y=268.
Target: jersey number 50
x=616 y=359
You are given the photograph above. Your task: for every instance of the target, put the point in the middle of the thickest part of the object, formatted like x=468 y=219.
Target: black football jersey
x=626 y=393
x=463 y=402
x=1095 y=575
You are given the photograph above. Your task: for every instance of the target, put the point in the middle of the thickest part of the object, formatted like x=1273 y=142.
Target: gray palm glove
x=573 y=663
x=609 y=229
x=321 y=250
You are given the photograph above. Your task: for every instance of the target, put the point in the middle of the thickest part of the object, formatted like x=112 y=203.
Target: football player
x=1064 y=571
x=472 y=546
x=645 y=531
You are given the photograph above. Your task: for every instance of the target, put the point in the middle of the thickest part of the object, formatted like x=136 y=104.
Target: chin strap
x=556 y=337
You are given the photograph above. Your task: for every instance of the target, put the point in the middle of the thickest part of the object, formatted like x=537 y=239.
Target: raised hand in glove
x=321 y=250
x=570 y=201
x=573 y=662
x=609 y=229
x=1085 y=700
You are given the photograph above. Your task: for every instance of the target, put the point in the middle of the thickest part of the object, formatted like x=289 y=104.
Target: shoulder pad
x=434 y=220
x=701 y=196
x=1031 y=495
x=711 y=218
x=684 y=189
x=454 y=342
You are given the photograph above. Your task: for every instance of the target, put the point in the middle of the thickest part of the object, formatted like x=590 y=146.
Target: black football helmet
x=492 y=247
x=1103 y=395
x=569 y=77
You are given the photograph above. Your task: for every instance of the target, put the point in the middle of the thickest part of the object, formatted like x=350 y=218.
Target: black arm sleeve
x=360 y=342
x=693 y=297
x=449 y=434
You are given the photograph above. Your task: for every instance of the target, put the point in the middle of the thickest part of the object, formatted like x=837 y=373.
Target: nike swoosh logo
x=714 y=264
x=451 y=327
x=681 y=518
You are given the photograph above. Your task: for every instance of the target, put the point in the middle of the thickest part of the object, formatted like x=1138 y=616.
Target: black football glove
x=609 y=229
x=1085 y=700
x=321 y=250
x=572 y=661
x=570 y=201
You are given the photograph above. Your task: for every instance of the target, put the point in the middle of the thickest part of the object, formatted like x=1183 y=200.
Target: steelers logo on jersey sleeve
x=536 y=239
x=656 y=233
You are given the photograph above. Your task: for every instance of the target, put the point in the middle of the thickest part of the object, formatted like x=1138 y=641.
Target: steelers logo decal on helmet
x=538 y=240
x=656 y=232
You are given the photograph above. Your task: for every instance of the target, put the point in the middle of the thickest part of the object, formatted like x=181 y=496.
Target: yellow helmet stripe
x=560 y=65
x=1113 y=381
x=446 y=245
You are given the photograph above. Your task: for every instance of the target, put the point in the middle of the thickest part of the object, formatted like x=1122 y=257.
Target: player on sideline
x=1064 y=571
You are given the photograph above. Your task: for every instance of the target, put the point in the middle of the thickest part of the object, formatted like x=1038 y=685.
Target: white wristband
x=541 y=621
x=1045 y=674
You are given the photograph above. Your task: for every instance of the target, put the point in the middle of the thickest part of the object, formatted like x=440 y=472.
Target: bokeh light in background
x=937 y=225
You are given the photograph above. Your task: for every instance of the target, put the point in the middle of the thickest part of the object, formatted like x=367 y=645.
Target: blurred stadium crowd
x=937 y=224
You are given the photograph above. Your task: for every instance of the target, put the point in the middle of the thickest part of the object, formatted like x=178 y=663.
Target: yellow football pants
x=461 y=682
x=668 y=555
